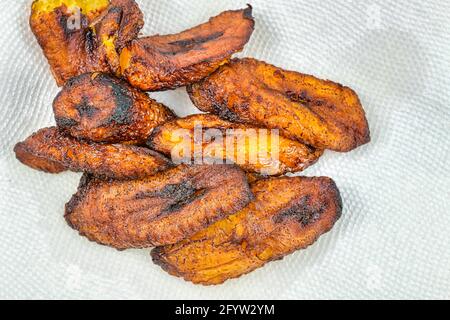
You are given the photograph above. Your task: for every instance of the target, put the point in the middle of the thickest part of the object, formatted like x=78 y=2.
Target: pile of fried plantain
x=222 y=206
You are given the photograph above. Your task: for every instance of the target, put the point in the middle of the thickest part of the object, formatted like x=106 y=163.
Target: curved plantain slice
x=287 y=214
x=170 y=61
x=79 y=36
x=51 y=151
x=163 y=209
x=206 y=138
x=318 y=112
x=101 y=108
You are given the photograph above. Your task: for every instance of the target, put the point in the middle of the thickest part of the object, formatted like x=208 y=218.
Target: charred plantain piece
x=101 y=108
x=160 y=210
x=209 y=139
x=170 y=61
x=51 y=151
x=79 y=36
x=318 y=112
x=287 y=214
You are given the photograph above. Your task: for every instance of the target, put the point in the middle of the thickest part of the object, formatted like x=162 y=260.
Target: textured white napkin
x=393 y=240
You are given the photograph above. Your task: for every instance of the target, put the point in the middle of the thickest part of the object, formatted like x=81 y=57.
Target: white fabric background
x=393 y=240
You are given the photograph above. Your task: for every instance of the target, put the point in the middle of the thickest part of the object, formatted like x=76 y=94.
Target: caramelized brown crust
x=101 y=108
x=209 y=139
x=51 y=151
x=26 y=153
x=161 y=210
x=287 y=214
x=86 y=40
x=170 y=61
x=320 y=113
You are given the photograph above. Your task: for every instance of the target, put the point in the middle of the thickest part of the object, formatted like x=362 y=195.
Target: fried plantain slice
x=51 y=151
x=102 y=108
x=163 y=209
x=170 y=61
x=79 y=36
x=287 y=214
x=318 y=112
x=208 y=139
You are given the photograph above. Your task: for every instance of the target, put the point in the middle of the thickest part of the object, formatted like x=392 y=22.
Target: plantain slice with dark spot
x=79 y=36
x=170 y=61
x=51 y=151
x=320 y=113
x=160 y=210
x=286 y=215
x=102 y=108
x=207 y=138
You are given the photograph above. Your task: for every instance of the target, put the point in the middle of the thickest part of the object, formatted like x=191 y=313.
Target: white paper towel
x=393 y=240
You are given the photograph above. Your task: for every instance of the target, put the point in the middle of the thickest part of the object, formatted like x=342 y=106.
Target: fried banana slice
x=163 y=209
x=102 y=108
x=79 y=36
x=170 y=61
x=287 y=214
x=208 y=139
x=51 y=151
x=317 y=112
